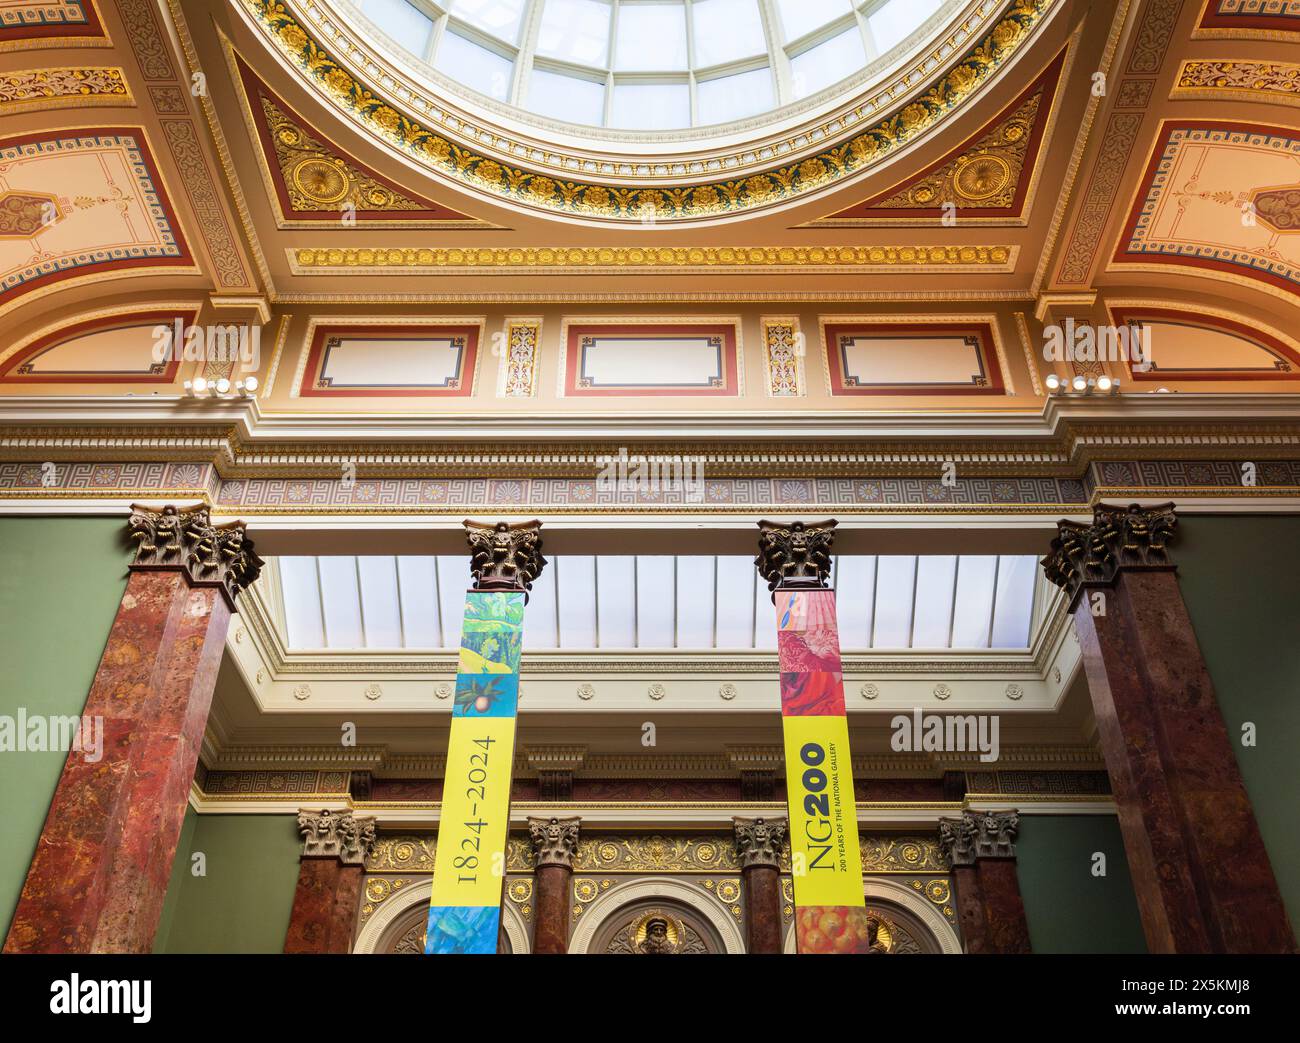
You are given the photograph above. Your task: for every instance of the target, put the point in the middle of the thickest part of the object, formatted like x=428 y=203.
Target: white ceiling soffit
x=693 y=602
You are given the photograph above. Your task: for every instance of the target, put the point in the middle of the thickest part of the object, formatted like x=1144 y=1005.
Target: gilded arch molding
x=666 y=200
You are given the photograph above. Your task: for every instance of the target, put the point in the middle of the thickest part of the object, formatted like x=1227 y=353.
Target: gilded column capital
x=184 y=539
x=759 y=841
x=1119 y=538
x=555 y=840
x=505 y=556
x=336 y=834
x=795 y=555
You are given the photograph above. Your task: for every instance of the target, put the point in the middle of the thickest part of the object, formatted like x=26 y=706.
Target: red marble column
x=970 y=908
x=758 y=848
x=328 y=896
x=1004 y=910
x=980 y=847
x=555 y=843
x=1202 y=876
x=102 y=864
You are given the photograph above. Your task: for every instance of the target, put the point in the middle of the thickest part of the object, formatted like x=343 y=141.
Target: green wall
x=1068 y=909
x=242 y=904
x=61 y=580
x=1240 y=577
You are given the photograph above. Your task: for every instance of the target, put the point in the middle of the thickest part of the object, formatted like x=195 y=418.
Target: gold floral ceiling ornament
x=989 y=174
x=314 y=181
x=675 y=202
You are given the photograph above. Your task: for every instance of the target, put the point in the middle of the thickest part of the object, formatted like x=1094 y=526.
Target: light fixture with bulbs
x=201 y=387
x=1081 y=385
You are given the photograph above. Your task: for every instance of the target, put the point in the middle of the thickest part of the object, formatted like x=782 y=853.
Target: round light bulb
x=1080 y=384
x=1103 y=383
x=223 y=386
x=200 y=385
x=250 y=384
x=1053 y=382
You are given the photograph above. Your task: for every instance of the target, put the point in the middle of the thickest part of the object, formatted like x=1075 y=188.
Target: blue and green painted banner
x=469 y=862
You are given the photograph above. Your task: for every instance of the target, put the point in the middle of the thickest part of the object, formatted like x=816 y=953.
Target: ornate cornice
x=1237 y=80
x=1119 y=539
x=853 y=148
x=336 y=834
x=242 y=440
x=33 y=90
x=184 y=539
x=646 y=260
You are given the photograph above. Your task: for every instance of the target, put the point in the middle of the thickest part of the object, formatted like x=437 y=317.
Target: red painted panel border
x=987 y=355
x=9 y=370
x=1265 y=341
x=92 y=27
x=183 y=258
x=1212 y=19
x=730 y=365
x=1124 y=256
x=316 y=361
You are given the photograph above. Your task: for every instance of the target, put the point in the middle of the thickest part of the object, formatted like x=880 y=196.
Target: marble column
x=555 y=842
x=758 y=849
x=981 y=848
x=957 y=839
x=104 y=858
x=1202 y=876
x=330 y=871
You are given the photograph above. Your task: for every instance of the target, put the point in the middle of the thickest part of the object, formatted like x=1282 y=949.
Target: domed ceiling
x=648 y=110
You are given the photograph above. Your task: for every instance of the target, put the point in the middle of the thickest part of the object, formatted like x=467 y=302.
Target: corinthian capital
x=184 y=539
x=794 y=555
x=555 y=840
x=957 y=837
x=336 y=834
x=1119 y=538
x=759 y=840
x=504 y=556
x=979 y=834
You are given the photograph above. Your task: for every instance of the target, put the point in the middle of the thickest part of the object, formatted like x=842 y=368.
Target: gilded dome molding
x=464 y=155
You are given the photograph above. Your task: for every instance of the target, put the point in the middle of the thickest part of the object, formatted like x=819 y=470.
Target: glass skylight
x=691 y=602
x=649 y=64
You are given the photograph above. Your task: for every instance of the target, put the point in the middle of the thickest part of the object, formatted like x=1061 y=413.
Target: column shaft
x=1200 y=870
x=100 y=872
x=1006 y=929
x=762 y=884
x=551 y=905
x=1203 y=878
x=970 y=909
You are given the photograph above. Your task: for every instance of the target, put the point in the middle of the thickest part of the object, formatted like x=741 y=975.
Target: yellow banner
x=824 y=850
x=469 y=863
